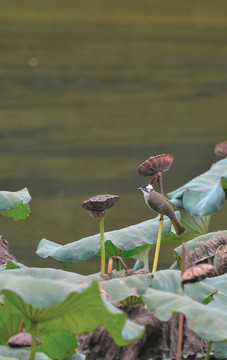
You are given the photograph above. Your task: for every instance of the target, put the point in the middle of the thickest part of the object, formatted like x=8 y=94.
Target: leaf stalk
x=158 y=244
x=102 y=245
x=33 y=347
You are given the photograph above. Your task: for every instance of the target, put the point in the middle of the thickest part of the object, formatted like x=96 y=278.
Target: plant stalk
x=181 y=316
x=33 y=347
x=118 y=265
x=158 y=244
x=102 y=245
x=207 y=357
x=160 y=182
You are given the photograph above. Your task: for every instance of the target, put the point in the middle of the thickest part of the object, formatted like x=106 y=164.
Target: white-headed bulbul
x=162 y=205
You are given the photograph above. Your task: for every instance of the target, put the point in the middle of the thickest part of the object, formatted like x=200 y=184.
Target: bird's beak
x=139 y=188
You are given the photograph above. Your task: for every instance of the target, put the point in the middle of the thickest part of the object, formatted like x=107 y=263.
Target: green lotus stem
x=118 y=265
x=207 y=357
x=102 y=245
x=158 y=244
x=181 y=316
x=33 y=348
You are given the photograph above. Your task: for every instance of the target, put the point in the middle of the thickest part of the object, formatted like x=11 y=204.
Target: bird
x=162 y=205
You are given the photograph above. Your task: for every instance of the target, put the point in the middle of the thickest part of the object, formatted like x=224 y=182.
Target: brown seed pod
x=196 y=273
x=99 y=203
x=155 y=165
x=221 y=149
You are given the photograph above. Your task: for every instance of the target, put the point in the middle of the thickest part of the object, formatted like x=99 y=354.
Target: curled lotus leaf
x=205 y=194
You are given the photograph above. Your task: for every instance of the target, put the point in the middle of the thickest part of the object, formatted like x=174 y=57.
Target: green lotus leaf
x=15 y=204
x=56 y=306
x=10 y=324
x=165 y=280
x=169 y=281
x=66 y=277
x=219 y=299
x=58 y=346
x=205 y=194
x=192 y=244
x=220 y=350
x=209 y=325
x=125 y=242
x=11 y=265
x=194 y=226
x=7 y=353
x=120 y=287
x=77 y=357
x=219 y=283
x=20 y=212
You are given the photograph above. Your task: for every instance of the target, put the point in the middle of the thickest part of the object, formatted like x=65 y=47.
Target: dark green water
x=89 y=90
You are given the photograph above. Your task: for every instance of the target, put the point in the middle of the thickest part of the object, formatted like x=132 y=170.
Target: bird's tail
x=179 y=228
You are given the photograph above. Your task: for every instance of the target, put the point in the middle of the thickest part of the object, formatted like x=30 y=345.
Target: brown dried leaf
x=159 y=340
x=197 y=273
x=5 y=253
x=205 y=250
x=220 y=260
x=22 y=339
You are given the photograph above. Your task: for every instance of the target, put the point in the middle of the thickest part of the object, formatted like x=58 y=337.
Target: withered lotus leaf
x=99 y=203
x=197 y=273
x=159 y=340
x=156 y=164
x=22 y=339
x=221 y=149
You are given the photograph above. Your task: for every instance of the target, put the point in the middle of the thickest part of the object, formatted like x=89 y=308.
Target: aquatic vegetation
x=154 y=167
x=15 y=204
x=119 y=313
x=98 y=205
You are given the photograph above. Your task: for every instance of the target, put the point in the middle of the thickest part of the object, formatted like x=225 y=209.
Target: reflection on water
x=89 y=91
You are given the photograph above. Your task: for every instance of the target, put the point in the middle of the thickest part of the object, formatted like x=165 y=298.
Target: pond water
x=89 y=90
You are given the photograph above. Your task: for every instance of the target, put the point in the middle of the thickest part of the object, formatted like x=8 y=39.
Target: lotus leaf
x=77 y=357
x=125 y=242
x=15 y=204
x=121 y=287
x=205 y=194
x=169 y=281
x=56 y=306
x=192 y=244
x=10 y=324
x=194 y=226
x=209 y=325
x=58 y=346
x=8 y=353
x=220 y=350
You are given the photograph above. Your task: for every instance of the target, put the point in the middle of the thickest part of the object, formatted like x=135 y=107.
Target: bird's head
x=146 y=188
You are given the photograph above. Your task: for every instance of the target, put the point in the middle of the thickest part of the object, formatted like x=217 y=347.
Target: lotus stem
x=33 y=348
x=120 y=262
x=158 y=244
x=181 y=316
x=160 y=182
x=110 y=266
x=207 y=357
x=180 y=336
x=102 y=245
